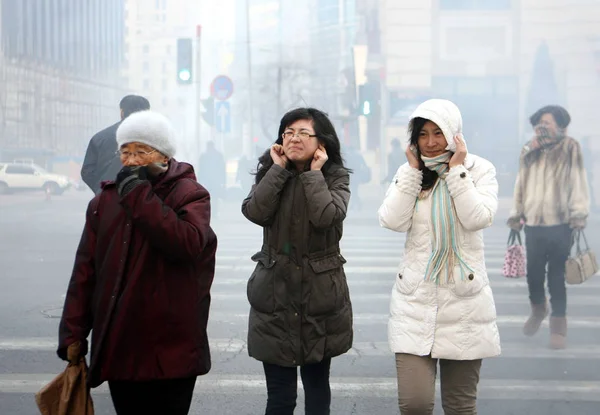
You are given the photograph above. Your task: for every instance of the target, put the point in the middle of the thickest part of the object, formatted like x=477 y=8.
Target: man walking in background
x=101 y=161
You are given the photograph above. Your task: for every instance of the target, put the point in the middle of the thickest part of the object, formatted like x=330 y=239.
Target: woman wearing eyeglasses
x=301 y=315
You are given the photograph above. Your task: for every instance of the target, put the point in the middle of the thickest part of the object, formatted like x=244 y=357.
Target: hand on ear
x=459 y=156
x=319 y=158
x=278 y=155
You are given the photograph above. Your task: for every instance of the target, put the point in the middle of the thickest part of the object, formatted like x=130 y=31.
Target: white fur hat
x=150 y=128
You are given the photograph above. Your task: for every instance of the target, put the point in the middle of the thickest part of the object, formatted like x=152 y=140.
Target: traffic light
x=368 y=98
x=209 y=110
x=364 y=102
x=185 y=61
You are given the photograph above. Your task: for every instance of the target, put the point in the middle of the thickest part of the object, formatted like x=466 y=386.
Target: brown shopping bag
x=68 y=394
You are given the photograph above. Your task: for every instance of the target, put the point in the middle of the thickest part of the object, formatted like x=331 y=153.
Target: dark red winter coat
x=141 y=281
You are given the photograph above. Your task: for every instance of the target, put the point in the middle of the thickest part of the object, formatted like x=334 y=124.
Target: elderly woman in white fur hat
x=142 y=276
x=442 y=308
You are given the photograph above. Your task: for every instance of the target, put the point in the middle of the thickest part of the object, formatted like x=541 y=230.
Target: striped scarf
x=445 y=253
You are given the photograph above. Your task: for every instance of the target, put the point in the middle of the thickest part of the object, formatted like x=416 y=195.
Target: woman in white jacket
x=442 y=308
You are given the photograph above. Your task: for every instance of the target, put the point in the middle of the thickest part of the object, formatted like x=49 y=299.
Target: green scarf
x=445 y=253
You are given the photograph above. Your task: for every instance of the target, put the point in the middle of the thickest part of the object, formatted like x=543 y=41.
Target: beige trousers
x=416 y=385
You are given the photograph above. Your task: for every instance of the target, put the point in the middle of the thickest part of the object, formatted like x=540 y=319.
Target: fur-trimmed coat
x=551 y=186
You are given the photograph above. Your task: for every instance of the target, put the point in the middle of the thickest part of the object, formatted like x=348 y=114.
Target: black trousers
x=548 y=246
x=282 y=388
x=160 y=397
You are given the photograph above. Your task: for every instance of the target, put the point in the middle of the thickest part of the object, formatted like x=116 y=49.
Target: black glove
x=130 y=177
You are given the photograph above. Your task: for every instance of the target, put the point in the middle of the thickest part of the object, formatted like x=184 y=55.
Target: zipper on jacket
x=298 y=352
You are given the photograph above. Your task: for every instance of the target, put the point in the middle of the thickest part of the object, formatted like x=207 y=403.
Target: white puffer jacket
x=455 y=321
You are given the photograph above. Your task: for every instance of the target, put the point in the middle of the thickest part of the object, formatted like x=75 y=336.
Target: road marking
x=358 y=297
x=372 y=239
x=352 y=262
x=386 y=277
x=354 y=253
x=560 y=390
x=508 y=321
x=360 y=349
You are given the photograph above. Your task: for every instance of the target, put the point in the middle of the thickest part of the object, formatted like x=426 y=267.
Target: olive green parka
x=300 y=304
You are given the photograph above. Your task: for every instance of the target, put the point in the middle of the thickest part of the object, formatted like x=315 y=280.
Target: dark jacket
x=300 y=303
x=141 y=281
x=212 y=172
x=101 y=162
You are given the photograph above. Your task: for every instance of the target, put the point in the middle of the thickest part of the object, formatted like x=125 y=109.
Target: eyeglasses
x=137 y=154
x=303 y=135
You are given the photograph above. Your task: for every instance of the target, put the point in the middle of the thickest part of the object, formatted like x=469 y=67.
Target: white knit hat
x=150 y=128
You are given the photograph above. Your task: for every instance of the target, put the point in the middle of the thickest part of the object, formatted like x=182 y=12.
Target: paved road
x=37 y=242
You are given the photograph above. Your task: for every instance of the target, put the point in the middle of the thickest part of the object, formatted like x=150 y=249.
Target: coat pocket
x=260 y=289
x=407 y=281
x=469 y=286
x=326 y=285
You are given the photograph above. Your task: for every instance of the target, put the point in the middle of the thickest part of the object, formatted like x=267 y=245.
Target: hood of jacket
x=445 y=114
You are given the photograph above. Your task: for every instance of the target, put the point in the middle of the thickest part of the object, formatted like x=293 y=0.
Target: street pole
x=198 y=91
x=250 y=83
x=383 y=96
x=280 y=58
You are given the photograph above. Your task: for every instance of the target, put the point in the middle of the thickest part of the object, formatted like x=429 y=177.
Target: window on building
x=165 y=102
x=146 y=84
x=165 y=85
x=475 y=4
x=328 y=12
x=164 y=67
x=146 y=49
x=146 y=67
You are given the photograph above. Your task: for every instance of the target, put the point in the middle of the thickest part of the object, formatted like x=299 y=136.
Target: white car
x=20 y=176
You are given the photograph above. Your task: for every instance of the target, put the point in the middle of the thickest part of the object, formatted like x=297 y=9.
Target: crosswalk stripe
x=363 y=239
x=351 y=387
x=503 y=320
x=385 y=278
x=372 y=349
x=245 y=252
x=358 y=297
x=387 y=261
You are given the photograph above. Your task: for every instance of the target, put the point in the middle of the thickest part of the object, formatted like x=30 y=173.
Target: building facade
x=152 y=28
x=60 y=76
x=482 y=55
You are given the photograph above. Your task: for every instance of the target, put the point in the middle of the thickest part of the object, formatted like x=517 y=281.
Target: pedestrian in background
x=101 y=162
x=442 y=308
x=300 y=315
x=395 y=158
x=552 y=199
x=142 y=276
x=212 y=173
